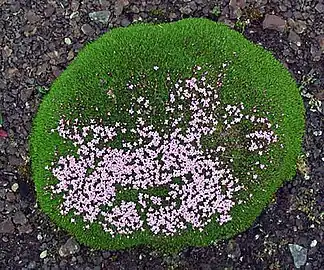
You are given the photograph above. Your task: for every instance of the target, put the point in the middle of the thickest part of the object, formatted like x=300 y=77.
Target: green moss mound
x=112 y=74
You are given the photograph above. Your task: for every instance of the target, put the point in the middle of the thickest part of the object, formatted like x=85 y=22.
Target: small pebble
x=313 y=243
x=43 y=254
x=14 y=187
x=68 y=41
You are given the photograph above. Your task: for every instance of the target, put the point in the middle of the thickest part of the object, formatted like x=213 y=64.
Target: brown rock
x=7 y=226
x=49 y=11
x=274 y=22
x=321 y=43
x=237 y=3
x=320 y=95
x=119 y=6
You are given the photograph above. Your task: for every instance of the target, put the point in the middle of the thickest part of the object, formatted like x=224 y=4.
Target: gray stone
x=19 y=218
x=70 y=247
x=274 y=22
x=125 y=22
x=300 y=26
x=299 y=255
x=135 y=9
x=75 y=5
x=48 y=12
x=119 y=6
x=321 y=42
x=32 y=265
x=294 y=38
x=87 y=29
x=236 y=7
x=7 y=226
x=237 y=3
x=100 y=16
x=43 y=254
x=316 y=53
x=67 y=41
x=25 y=229
x=32 y=17
x=313 y=243
x=15 y=187
x=185 y=10
x=104 y=3
x=320 y=7
x=283 y=8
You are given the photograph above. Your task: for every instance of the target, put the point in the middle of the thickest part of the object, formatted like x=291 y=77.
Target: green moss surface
x=254 y=77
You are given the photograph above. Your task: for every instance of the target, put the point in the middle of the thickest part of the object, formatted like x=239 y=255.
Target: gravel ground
x=39 y=38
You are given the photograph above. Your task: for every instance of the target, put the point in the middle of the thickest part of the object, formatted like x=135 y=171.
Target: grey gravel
x=70 y=247
x=320 y=7
x=7 y=226
x=100 y=16
x=87 y=29
x=299 y=254
x=19 y=218
x=293 y=37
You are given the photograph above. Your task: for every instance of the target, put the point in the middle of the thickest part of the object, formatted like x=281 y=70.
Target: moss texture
x=254 y=77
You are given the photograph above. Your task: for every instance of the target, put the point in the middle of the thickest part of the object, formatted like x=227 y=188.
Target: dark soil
x=39 y=38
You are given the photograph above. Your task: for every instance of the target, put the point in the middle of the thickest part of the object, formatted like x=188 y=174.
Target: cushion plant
x=168 y=135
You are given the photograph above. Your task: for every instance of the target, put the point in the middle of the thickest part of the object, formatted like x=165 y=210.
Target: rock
x=31 y=265
x=236 y=7
x=135 y=9
x=48 y=12
x=25 y=229
x=10 y=197
x=299 y=255
x=43 y=254
x=70 y=247
x=320 y=7
x=316 y=53
x=87 y=29
x=274 y=22
x=14 y=7
x=298 y=26
x=75 y=5
x=125 y=22
x=119 y=6
x=67 y=41
x=233 y=250
x=7 y=51
x=19 y=218
x=32 y=17
x=7 y=226
x=104 y=3
x=100 y=16
x=106 y=254
x=293 y=37
x=321 y=42
x=313 y=243
x=70 y=55
x=237 y=3
x=185 y=10
x=15 y=187
x=283 y=8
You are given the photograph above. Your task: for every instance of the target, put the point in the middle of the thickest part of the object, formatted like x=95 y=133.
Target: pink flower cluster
x=201 y=184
